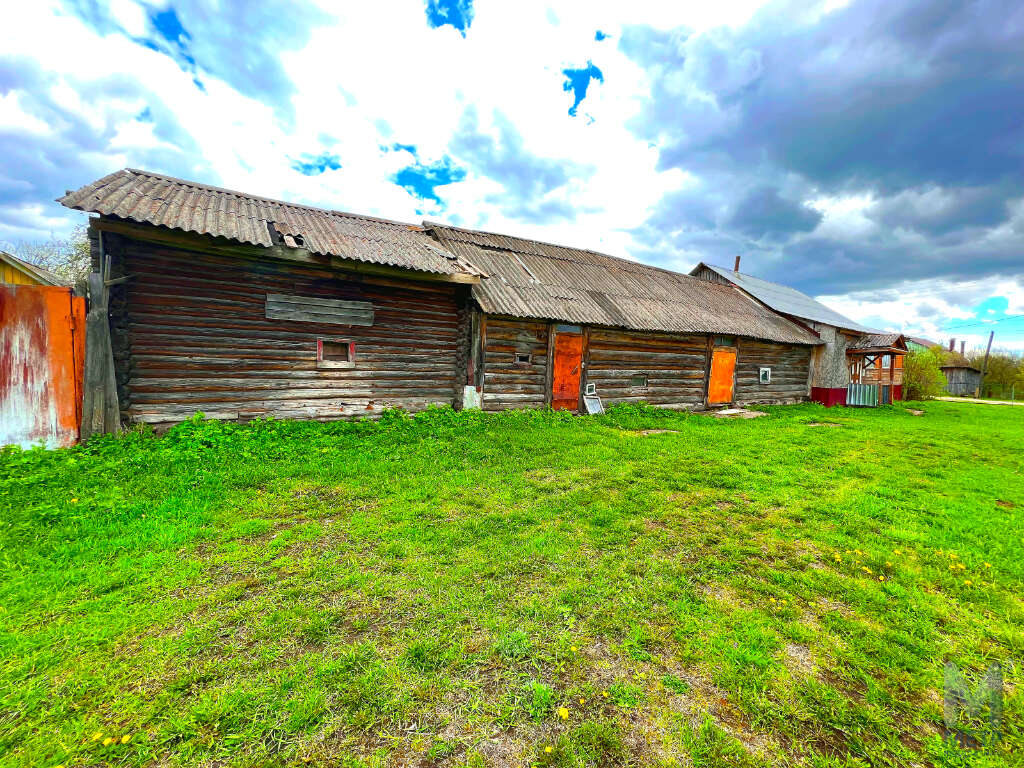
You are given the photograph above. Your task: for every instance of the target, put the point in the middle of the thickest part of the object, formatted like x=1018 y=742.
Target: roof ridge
x=286 y=203
x=633 y=262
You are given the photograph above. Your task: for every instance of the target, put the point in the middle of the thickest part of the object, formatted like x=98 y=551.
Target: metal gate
x=42 y=355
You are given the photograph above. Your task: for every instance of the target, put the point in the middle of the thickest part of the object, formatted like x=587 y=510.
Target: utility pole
x=984 y=366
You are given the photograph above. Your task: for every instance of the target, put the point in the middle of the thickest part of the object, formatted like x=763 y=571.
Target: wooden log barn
x=241 y=307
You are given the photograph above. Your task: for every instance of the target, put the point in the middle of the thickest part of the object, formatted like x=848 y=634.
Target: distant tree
x=922 y=374
x=1004 y=370
x=67 y=258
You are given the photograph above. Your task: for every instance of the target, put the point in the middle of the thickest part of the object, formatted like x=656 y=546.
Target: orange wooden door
x=41 y=333
x=723 y=364
x=565 y=377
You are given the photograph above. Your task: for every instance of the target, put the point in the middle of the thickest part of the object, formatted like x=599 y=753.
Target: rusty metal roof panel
x=528 y=278
x=152 y=198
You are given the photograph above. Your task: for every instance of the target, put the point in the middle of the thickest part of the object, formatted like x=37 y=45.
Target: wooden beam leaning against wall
x=100 y=411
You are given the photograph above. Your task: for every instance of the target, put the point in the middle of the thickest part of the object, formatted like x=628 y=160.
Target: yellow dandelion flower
x=858 y=552
x=582 y=701
x=952 y=556
x=643 y=675
x=107 y=741
x=549 y=749
x=771 y=599
x=605 y=694
x=563 y=713
x=888 y=564
x=881 y=578
x=896 y=552
x=126 y=738
x=74 y=501
x=574 y=649
x=97 y=736
x=967 y=582
x=988 y=565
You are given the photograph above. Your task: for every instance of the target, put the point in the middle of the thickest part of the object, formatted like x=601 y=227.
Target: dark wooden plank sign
x=313 y=309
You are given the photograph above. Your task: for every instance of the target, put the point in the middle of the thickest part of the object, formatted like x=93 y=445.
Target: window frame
x=323 y=364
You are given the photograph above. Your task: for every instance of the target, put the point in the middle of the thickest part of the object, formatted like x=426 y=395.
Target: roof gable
x=784 y=299
x=40 y=275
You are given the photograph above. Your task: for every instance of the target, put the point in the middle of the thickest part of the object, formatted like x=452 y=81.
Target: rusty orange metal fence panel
x=42 y=355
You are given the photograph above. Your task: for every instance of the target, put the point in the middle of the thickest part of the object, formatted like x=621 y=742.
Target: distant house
x=917 y=344
x=240 y=306
x=848 y=347
x=15 y=271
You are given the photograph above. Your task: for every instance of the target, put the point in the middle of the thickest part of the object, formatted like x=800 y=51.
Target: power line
x=982 y=322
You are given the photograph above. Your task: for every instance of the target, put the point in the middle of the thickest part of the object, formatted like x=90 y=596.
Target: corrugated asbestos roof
x=152 y=198
x=788 y=300
x=527 y=278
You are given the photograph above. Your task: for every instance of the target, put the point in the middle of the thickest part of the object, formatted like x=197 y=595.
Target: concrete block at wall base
x=829 y=396
x=470 y=398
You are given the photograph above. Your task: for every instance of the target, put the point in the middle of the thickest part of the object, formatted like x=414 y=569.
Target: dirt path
x=977 y=400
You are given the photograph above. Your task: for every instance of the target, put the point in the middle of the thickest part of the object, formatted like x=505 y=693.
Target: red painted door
x=723 y=364
x=565 y=378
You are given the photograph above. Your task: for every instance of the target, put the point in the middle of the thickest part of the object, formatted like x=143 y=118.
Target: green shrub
x=922 y=376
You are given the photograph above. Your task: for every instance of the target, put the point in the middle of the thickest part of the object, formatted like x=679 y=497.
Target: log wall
x=789 y=378
x=191 y=334
x=675 y=367
x=507 y=384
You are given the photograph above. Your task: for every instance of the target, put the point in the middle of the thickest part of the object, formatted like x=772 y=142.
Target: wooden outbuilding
x=240 y=307
x=837 y=362
x=15 y=271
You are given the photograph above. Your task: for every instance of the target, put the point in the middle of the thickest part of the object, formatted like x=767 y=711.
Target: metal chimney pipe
x=952 y=344
x=736 y=266
x=962 y=344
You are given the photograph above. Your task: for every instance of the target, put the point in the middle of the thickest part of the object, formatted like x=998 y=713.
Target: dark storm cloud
x=527 y=179
x=764 y=213
x=914 y=104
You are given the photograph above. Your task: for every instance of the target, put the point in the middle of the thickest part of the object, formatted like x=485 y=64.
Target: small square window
x=591 y=389
x=639 y=380
x=335 y=353
x=765 y=375
x=522 y=358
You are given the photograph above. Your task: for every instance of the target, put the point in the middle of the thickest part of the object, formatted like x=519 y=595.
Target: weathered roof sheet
x=152 y=198
x=921 y=341
x=788 y=300
x=879 y=341
x=527 y=278
x=44 y=276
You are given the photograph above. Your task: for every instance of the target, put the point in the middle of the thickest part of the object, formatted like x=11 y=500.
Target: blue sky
x=863 y=152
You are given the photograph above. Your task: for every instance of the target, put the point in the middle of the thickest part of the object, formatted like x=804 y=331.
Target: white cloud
x=375 y=74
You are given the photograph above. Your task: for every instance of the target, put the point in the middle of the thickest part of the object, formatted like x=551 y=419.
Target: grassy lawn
x=517 y=589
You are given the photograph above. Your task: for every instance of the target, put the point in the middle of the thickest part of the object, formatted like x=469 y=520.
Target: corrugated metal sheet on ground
x=150 y=198
x=527 y=278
